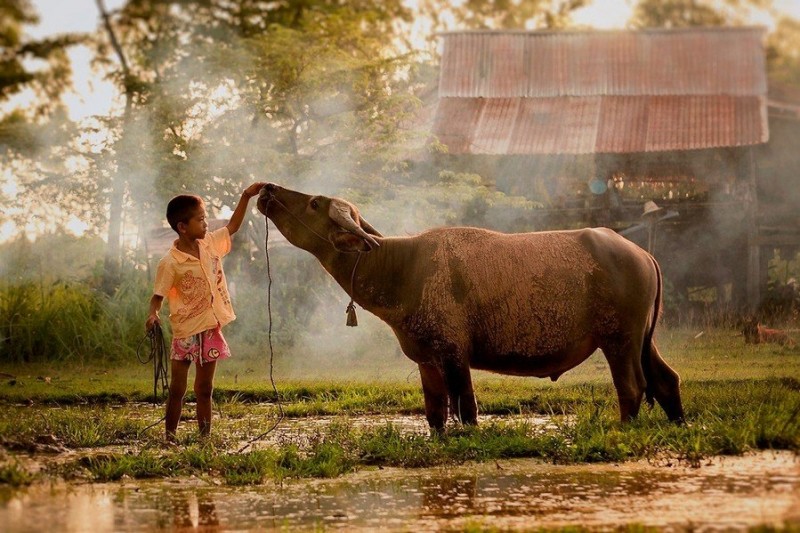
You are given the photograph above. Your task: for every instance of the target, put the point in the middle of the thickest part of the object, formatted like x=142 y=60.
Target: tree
x=48 y=82
x=675 y=14
x=783 y=52
x=515 y=14
x=691 y=13
x=301 y=80
x=35 y=140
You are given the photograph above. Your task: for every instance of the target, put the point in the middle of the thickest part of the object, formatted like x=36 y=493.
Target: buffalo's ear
x=344 y=241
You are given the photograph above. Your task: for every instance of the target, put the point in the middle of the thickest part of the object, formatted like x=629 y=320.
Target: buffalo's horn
x=368 y=227
x=340 y=212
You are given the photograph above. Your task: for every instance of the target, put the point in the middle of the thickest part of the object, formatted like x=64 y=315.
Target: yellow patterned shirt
x=196 y=289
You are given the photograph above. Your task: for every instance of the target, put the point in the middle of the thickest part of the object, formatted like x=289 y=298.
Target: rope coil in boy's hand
x=159 y=357
x=271 y=351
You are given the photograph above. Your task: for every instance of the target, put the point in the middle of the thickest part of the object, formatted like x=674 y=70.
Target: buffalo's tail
x=647 y=347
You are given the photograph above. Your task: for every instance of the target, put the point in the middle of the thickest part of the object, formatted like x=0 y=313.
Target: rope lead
x=281 y=414
x=159 y=357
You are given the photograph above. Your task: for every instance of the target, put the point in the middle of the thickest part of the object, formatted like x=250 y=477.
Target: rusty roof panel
x=599 y=124
x=628 y=114
x=551 y=125
x=455 y=121
x=491 y=134
x=651 y=62
x=692 y=122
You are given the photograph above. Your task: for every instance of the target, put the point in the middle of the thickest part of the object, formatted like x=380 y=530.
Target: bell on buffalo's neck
x=352 y=320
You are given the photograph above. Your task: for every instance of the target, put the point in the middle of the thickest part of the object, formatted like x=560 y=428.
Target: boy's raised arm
x=241 y=209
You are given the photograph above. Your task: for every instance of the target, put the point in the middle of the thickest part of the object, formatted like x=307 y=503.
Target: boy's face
x=196 y=226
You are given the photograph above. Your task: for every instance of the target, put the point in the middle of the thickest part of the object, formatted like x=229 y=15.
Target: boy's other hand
x=254 y=189
x=152 y=320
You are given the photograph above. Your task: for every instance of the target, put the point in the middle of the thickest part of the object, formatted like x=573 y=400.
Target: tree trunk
x=111 y=265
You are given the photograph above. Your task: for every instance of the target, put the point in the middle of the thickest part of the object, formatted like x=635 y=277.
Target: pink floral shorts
x=201 y=348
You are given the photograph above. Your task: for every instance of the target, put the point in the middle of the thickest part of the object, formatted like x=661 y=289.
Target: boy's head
x=182 y=208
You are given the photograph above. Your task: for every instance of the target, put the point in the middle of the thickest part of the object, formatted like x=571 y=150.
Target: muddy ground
x=721 y=493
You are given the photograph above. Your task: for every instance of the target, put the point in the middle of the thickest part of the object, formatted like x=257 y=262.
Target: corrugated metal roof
x=585 y=92
x=598 y=124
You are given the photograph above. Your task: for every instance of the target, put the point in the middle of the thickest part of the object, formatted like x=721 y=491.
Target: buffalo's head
x=750 y=330
x=306 y=220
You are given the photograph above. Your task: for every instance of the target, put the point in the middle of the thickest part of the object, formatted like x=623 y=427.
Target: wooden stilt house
x=594 y=124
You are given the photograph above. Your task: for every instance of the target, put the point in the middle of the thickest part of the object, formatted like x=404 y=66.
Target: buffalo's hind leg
x=625 y=361
x=664 y=383
x=434 y=389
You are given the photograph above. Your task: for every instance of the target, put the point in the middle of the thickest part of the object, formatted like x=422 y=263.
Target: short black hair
x=181 y=208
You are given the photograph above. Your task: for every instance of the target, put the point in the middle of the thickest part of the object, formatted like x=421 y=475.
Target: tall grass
x=51 y=321
x=64 y=320
x=71 y=427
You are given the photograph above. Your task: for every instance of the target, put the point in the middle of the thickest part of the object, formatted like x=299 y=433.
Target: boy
x=190 y=276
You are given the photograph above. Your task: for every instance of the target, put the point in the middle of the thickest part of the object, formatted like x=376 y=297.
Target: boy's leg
x=203 y=387
x=177 y=389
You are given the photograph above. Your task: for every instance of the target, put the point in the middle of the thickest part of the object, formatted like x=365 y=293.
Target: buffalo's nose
x=267 y=190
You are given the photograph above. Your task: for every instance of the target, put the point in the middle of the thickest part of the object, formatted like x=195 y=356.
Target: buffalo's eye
x=314 y=204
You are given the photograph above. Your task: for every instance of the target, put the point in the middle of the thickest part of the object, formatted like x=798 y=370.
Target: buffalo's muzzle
x=266 y=195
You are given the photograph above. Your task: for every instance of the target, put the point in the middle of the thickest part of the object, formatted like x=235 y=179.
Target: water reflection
x=731 y=494
x=448 y=497
x=193 y=510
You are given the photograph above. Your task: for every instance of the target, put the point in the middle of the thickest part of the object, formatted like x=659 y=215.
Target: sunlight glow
x=76 y=226
x=604 y=15
x=9 y=185
x=762 y=17
x=210 y=105
x=225 y=213
x=7 y=231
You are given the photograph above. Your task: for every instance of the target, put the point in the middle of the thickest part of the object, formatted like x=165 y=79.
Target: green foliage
x=17 y=133
x=508 y=14
x=783 y=52
x=445 y=199
x=675 y=14
x=16 y=51
x=247 y=468
x=147 y=464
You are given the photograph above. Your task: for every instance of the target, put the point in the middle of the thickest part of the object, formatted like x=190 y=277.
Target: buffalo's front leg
x=435 y=391
x=462 y=396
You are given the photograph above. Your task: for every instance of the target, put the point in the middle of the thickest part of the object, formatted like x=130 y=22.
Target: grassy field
x=737 y=397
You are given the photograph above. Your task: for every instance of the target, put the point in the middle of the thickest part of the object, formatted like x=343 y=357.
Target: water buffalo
x=528 y=304
x=755 y=333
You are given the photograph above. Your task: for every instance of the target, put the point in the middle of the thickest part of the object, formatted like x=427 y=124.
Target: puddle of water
x=727 y=494
x=302 y=431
